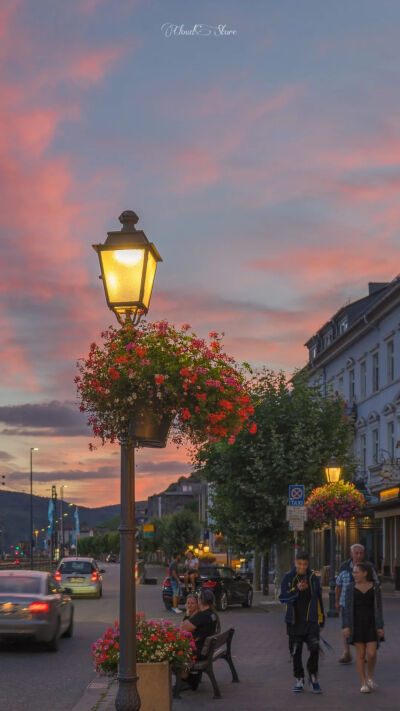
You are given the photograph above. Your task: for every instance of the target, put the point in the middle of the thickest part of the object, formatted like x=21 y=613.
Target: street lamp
x=62 y=487
x=332 y=472
x=33 y=449
x=128 y=263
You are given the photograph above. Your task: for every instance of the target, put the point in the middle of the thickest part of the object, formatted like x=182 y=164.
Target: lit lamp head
x=206 y=549
x=333 y=472
x=128 y=263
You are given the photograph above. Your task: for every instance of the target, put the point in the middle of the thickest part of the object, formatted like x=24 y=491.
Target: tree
x=298 y=431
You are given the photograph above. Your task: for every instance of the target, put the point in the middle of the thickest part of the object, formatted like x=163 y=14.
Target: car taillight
x=166 y=582
x=57 y=576
x=39 y=607
x=95 y=576
x=209 y=584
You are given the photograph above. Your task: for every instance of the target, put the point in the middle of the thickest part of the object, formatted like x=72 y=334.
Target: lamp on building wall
x=333 y=472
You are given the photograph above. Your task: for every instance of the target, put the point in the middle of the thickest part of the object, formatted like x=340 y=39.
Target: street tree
x=298 y=431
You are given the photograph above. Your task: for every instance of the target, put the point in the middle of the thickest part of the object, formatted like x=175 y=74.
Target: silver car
x=80 y=576
x=32 y=604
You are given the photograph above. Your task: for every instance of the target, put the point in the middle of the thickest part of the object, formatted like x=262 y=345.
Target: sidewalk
x=262 y=660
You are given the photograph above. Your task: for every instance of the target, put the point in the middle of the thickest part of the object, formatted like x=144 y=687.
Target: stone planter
x=154 y=686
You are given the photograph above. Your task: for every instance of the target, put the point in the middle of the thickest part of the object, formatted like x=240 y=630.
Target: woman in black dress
x=363 y=622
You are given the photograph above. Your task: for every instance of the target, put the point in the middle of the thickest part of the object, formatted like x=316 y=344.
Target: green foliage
x=112 y=523
x=298 y=432
x=172 y=533
x=99 y=545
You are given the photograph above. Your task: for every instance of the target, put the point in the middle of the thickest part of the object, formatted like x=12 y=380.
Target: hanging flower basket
x=340 y=501
x=147 y=376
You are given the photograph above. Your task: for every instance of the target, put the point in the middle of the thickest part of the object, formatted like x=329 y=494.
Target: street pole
x=62 y=521
x=127 y=696
x=31 y=517
x=332 y=612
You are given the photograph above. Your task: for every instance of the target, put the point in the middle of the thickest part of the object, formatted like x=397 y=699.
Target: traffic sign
x=296 y=495
x=296 y=515
x=148 y=530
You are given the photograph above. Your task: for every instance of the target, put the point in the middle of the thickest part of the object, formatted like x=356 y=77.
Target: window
x=328 y=338
x=341 y=385
x=375 y=372
x=352 y=385
x=313 y=352
x=390 y=361
x=390 y=438
x=343 y=324
x=375 y=446
x=363 y=378
x=363 y=452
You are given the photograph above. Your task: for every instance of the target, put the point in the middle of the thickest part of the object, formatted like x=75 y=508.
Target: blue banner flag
x=50 y=513
x=76 y=517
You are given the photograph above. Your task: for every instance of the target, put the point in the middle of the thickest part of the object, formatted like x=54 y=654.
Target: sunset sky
x=264 y=165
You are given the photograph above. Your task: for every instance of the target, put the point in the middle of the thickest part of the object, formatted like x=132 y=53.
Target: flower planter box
x=154 y=686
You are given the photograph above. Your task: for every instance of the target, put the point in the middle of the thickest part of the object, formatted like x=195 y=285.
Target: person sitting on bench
x=202 y=624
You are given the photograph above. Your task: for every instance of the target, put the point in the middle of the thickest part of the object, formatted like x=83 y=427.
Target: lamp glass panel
x=333 y=474
x=122 y=270
x=149 y=279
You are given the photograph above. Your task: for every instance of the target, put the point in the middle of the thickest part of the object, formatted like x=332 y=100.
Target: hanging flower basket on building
x=340 y=500
x=152 y=374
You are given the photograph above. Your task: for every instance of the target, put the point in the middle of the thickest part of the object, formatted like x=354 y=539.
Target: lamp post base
x=127 y=698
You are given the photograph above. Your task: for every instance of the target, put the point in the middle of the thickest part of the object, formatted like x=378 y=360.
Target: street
x=33 y=679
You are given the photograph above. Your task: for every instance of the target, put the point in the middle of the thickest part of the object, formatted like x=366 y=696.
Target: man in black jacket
x=301 y=591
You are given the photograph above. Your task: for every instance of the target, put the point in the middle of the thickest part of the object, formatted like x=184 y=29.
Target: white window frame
x=375 y=445
x=352 y=384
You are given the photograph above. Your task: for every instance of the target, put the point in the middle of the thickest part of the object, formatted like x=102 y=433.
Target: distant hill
x=14 y=515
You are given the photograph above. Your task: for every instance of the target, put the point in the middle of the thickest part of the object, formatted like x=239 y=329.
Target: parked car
x=33 y=604
x=111 y=558
x=228 y=587
x=80 y=576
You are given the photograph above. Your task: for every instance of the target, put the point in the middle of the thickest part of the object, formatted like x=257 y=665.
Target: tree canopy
x=299 y=430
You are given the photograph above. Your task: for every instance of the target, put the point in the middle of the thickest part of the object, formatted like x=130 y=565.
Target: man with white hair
x=345 y=577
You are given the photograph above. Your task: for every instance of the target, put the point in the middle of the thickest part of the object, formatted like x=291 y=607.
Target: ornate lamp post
x=332 y=472
x=128 y=263
x=33 y=449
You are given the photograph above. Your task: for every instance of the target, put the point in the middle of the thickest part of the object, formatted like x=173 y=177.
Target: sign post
x=296 y=512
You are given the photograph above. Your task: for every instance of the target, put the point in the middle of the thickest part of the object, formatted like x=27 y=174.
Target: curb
x=96 y=696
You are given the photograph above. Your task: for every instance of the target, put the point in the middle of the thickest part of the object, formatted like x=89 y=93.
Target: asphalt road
x=32 y=679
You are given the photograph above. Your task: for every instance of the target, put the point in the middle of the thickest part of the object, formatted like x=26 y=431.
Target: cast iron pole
x=332 y=612
x=127 y=696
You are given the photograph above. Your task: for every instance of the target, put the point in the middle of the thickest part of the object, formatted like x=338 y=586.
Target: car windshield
x=20 y=584
x=82 y=567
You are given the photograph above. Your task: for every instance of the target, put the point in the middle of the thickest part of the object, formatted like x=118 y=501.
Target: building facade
x=357 y=355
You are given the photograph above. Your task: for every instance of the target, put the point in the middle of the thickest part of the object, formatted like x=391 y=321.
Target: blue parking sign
x=296 y=495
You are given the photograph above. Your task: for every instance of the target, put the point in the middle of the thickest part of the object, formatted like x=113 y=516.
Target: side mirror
x=102 y=570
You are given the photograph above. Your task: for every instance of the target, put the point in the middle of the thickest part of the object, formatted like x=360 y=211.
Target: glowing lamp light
x=128 y=263
x=333 y=472
x=206 y=549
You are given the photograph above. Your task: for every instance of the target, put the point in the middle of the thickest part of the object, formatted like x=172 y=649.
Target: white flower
x=116 y=400
x=159 y=394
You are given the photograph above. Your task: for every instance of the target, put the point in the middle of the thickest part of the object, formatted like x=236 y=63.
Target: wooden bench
x=219 y=647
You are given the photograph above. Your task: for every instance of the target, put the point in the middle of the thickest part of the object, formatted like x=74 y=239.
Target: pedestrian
x=301 y=591
x=344 y=578
x=191 y=570
x=362 y=621
x=175 y=583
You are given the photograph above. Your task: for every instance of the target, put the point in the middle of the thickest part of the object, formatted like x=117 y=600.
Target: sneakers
x=176 y=610
x=316 y=689
x=299 y=685
x=365 y=689
x=372 y=684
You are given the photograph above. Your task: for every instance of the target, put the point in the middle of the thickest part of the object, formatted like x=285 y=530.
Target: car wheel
x=168 y=604
x=223 y=602
x=70 y=629
x=249 y=600
x=53 y=645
